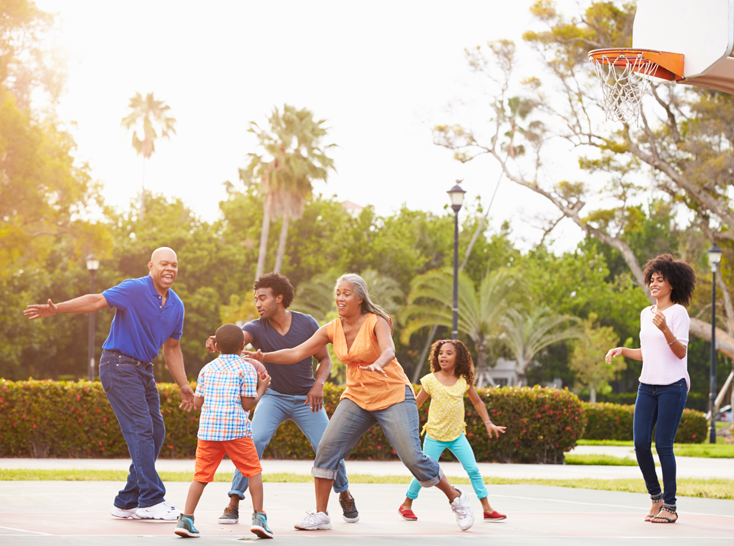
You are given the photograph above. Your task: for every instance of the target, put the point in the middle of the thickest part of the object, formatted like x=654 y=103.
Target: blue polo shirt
x=142 y=325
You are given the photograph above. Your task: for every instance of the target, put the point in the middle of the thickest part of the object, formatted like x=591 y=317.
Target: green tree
x=149 y=120
x=294 y=156
x=528 y=333
x=430 y=303
x=587 y=359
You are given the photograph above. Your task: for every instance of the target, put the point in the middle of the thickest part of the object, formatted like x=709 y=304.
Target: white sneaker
x=163 y=510
x=124 y=514
x=314 y=521
x=460 y=506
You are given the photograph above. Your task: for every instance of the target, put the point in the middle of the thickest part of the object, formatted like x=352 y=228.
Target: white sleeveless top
x=660 y=366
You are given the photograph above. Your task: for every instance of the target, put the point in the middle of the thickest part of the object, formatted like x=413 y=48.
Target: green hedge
x=608 y=421
x=74 y=419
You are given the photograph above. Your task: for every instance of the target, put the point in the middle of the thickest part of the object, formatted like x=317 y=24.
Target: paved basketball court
x=61 y=513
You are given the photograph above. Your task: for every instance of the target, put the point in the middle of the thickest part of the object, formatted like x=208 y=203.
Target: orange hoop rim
x=670 y=65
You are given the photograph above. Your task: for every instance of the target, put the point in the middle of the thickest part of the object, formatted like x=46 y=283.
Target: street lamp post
x=457 y=199
x=714 y=254
x=92 y=266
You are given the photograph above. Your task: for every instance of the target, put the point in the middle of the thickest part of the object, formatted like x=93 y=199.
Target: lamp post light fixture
x=714 y=254
x=92 y=266
x=457 y=200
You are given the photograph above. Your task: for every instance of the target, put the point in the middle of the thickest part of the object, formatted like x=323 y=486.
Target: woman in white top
x=664 y=381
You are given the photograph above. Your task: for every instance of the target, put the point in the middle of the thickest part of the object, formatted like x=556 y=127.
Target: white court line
x=24 y=531
x=598 y=504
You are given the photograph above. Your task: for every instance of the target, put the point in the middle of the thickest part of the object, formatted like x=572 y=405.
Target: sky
x=381 y=74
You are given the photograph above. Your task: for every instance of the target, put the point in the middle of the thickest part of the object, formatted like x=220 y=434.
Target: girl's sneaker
x=260 y=525
x=494 y=516
x=185 y=527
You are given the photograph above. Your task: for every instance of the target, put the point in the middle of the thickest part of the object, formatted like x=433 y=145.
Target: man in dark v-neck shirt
x=294 y=393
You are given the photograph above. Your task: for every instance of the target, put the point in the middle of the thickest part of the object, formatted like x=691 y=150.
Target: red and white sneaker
x=494 y=517
x=408 y=515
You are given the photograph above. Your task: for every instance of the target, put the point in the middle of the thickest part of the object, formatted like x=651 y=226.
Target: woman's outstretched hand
x=373 y=368
x=258 y=355
x=613 y=353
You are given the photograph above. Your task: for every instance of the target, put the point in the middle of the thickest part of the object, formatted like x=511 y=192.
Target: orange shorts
x=209 y=455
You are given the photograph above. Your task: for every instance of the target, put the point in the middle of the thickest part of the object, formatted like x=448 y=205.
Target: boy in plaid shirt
x=227 y=388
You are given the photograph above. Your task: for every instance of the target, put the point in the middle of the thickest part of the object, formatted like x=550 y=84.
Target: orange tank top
x=369 y=390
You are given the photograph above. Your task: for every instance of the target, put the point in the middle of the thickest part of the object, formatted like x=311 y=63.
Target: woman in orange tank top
x=378 y=392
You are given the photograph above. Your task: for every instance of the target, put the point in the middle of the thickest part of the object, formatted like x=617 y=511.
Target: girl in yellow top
x=452 y=377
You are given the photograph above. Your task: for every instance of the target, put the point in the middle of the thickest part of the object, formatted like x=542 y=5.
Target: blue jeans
x=661 y=404
x=462 y=451
x=130 y=388
x=399 y=422
x=272 y=410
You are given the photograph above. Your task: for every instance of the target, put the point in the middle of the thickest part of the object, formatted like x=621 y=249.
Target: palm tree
x=152 y=118
x=526 y=334
x=431 y=297
x=294 y=157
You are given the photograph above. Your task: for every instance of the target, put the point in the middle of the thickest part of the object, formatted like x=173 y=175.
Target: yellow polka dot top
x=446 y=412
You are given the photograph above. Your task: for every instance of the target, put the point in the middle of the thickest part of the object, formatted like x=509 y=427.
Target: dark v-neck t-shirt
x=294 y=379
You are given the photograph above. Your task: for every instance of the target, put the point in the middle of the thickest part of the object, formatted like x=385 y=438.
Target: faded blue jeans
x=132 y=393
x=275 y=408
x=661 y=404
x=462 y=450
x=399 y=422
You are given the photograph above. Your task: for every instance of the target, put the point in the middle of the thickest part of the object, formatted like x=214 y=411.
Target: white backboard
x=702 y=30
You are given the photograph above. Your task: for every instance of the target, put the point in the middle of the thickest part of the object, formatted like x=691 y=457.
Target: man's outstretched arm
x=84 y=304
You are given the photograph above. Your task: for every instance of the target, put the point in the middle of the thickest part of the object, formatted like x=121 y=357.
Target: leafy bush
x=68 y=419
x=608 y=421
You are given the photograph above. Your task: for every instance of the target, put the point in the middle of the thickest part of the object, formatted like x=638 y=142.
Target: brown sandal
x=654 y=499
x=666 y=519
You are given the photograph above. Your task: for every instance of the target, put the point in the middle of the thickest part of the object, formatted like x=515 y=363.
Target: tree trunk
x=263 y=238
x=592 y=394
x=281 y=243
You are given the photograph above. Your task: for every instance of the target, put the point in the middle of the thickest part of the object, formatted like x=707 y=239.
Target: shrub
x=608 y=421
x=74 y=419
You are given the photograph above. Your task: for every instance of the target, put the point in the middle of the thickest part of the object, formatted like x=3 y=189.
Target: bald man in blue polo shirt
x=148 y=315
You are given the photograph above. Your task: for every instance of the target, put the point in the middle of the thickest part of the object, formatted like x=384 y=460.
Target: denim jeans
x=130 y=388
x=272 y=410
x=462 y=450
x=399 y=422
x=661 y=404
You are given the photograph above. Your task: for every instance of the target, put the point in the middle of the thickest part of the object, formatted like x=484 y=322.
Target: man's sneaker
x=314 y=521
x=260 y=525
x=185 y=527
x=123 y=513
x=462 y=510
x=163 y=510
x=231 y=515
x=349 y=509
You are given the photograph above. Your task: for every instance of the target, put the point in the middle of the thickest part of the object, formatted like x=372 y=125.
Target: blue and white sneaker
x=260 y=525
x=185 y=527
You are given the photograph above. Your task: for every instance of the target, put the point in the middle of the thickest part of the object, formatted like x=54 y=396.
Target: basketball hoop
x=625 y=77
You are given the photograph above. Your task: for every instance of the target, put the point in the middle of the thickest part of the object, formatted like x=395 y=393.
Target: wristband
x=674 y=340
x=489 y=421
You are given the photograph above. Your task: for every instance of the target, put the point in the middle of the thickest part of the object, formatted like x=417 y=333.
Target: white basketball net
x=623 y=86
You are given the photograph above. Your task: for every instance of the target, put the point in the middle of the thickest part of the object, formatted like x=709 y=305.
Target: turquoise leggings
x=462 y=451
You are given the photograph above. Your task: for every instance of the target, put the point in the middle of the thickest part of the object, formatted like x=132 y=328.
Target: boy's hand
x=211 y=344
x=495 y=429
x=263 y=380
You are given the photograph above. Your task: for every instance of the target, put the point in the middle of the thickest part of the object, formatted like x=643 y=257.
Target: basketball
x=259 y=368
